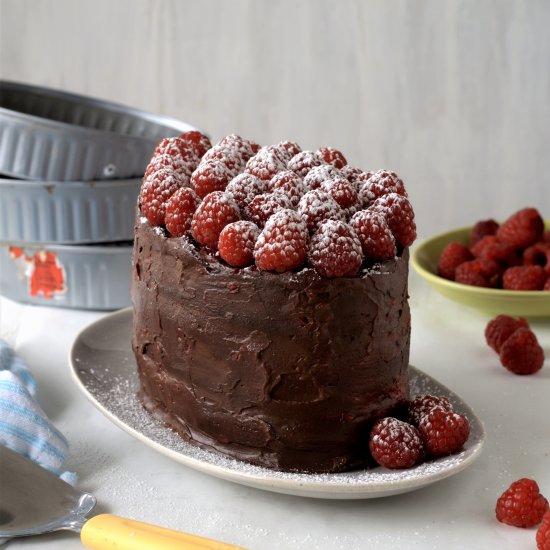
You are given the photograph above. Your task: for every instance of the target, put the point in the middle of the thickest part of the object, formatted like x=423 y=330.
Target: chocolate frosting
x=287 y=371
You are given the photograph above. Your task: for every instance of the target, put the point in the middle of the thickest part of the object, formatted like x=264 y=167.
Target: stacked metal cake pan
x=70 y=173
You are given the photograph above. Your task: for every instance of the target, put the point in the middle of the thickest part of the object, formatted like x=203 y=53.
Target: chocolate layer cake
x=286 y=370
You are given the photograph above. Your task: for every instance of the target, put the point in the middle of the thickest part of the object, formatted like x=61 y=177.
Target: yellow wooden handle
x=109 y=532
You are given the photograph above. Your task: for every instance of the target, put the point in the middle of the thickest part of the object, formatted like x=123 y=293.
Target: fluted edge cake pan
x=81 y=277
x=48 y=134
x=66 y=212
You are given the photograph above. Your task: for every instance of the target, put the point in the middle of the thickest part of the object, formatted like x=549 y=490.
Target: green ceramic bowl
x=528 y=303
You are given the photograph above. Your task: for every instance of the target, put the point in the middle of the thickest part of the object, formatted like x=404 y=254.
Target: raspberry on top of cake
x=276 y=207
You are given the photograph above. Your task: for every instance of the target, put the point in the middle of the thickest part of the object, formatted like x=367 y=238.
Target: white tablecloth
x=131 y=479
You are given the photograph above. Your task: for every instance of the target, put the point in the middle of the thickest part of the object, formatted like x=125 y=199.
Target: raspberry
x=543 y=533
x=522 y=229
x=332 y=156
x=176 y=147
x=282 y=244
x=521 y=505
x=289 y=184
x=211 y=175
x=499 y=329
x=317 y=175
x=263 y=206
x=303 y=162
x=377 y=241
x=226 y=155
x=399 y=215
x=482 y=229
x=239 y=148
x=524 y=277
x=265 y=163
x=490 y=248
x=243 y=188
x=443 y=432
x=183 y=167
x=197 y=140
x=156 y=189
x=395 y=444
x=180 y=208
x=215 y=211
x=341 y=190
x=335 y=250
x=484 y=273
x=316 y=206
x=355 y=175
x=379 y=184
x=538 y=254
x=521 y=353
x=421 y=405
x=454 y=254
x=236 y=243
x=290 y=149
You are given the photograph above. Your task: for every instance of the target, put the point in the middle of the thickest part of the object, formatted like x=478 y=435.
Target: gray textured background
x=454 y=95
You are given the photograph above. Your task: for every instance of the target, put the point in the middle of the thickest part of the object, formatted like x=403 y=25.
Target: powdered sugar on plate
x=104 y=368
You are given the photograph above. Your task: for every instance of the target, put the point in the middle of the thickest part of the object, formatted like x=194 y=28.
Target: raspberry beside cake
x=271 y=320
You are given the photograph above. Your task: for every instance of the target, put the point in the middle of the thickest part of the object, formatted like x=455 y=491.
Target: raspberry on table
x=454 y=254
x=524 y=277
x=318 y=174
x=483 y=273
x=332 y=156
x=395 y=444
x=263 y=206
x=288 y=183
x=543 y=532
x=522 y=229
x=199 y=142
x=211 y=175
x=421 y=405
x=499 y=329
x=155 y=191
x=482 y=228
x=265 y=163
x=317 y=206
x=341 y=190
x=304 y=161
x=522 y=504
x=377 y=241
x=215 y=211
x=180 y=208
x=243 y=188
x=335 y=250
x=521 y=352
x=400 y=217
x=381 y=183
x=282 y=244
x=236 y=243
x=443 y=432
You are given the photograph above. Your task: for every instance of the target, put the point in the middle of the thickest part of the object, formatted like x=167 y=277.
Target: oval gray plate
x=103 y=366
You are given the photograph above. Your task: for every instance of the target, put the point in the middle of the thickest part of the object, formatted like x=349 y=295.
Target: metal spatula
x=34 y=501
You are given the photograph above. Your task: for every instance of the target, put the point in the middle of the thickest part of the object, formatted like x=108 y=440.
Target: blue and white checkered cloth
x=24 y=427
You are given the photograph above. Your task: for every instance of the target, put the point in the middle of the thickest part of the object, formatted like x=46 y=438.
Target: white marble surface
x=453 y=95
x=131 y=479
